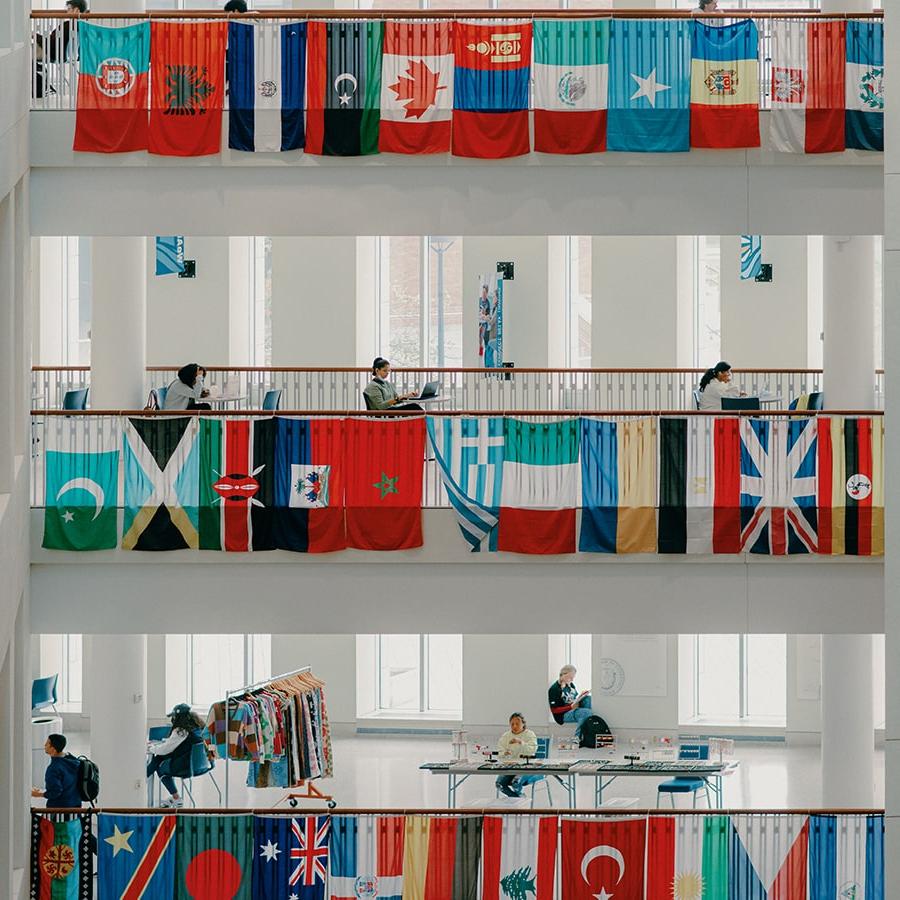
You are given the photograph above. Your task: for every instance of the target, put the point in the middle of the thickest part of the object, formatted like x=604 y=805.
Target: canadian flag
x=519 y=857
x=416 y=87
x=603 y=860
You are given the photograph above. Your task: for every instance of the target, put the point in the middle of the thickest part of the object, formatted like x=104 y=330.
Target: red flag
x=187 y=87
x=727 y=511
x=601 y=860
x=384 y=483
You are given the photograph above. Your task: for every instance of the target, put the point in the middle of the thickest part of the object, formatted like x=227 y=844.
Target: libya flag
x=343 y=87
x=81 y=500
x=214 y=857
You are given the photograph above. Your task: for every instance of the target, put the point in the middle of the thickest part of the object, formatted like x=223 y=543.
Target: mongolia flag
x=808 y=86
x=440 y=857
x=688 y=857
x=649 y=86
x=384 y=482
x=187 y=74
x=618 y=478
x=416 y=87
x=768 y=858
x=864 y=84
x=490 y=97
x=846 y=857
x=851 y=486
x=343 y=87
x=266 y=82
x=724 y=85
x=290 y=857
x=113 y=65
x=214 y=856
x=135 y=857
x=603 y=859
x=540 y=487
x=519 y=857
x=570 y=85
x=366 y=858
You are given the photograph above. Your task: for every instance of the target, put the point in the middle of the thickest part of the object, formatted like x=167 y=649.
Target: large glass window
x=574 y=649
x=60 y=654
x=261 y=302
x=707 y=301
x=578 y=305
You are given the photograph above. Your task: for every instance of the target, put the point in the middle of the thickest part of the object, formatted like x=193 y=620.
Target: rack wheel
x=332 y=804
x=292 y=802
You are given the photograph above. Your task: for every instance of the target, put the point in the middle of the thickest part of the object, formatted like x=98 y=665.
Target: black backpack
x=88 y=780
x=592 y=728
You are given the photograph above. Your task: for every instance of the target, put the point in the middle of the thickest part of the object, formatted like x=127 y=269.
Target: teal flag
x=80 y=501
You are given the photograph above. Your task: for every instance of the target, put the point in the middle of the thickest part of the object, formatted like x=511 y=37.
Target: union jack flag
x=778 y=486
x=310 y=851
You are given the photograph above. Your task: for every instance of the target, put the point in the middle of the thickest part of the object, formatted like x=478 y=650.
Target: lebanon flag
x=808 y=86
x=385 y=458
x=187 y=76
x=440 y=857
x=519 y=857
x=603 y=859
x=366 y=858
x=688 y=857
x=416 y=88
x=112 y=88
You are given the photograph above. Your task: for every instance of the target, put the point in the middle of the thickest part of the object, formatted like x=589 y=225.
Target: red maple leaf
x=417 y=88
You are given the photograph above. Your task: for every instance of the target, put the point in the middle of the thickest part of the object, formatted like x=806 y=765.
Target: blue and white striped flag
x=169 y=255
x=751 y=256
x=469 y=452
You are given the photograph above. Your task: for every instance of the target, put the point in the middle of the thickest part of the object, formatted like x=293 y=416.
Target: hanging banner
x=169 y=255
x=751 y=256
x=490 y=321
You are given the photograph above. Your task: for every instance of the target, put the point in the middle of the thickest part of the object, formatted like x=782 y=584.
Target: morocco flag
x=416 y=88
x=187 y=69
x=214 y=856
x=603 y=859
x=113 y=66
x=385 y=458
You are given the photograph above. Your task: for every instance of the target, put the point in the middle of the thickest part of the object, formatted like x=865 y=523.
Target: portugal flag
x=603 y=859
x=188 y=77
x=113 y=66
x=214 y=857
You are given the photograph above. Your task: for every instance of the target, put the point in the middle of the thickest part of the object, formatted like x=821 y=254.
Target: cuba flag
x=266 y=82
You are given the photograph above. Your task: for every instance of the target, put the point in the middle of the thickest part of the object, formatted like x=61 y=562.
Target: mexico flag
x=519 y=857
x=416 y=87
x=113 y=67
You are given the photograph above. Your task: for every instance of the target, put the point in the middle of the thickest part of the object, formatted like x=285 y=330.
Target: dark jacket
x=561 y=700
x=61 y=781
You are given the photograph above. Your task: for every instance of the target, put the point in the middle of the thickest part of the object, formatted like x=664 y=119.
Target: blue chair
x=161 y=395
x=43 y=692
x=696 y=395
x=816 y=400
x=740 y=403
x=75 y=399
x=542 y=752
x=272 y=400
x=691 y=786
x=187 y=768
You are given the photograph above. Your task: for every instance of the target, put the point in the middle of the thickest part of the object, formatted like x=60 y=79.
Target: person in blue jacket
x=61 y=778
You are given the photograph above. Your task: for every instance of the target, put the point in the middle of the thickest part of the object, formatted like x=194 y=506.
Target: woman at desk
x=177 y=747
x=716 y=384
x=187 y=389
x=381 y=394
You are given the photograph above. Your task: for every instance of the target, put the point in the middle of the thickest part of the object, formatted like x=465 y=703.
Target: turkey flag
x=603 y=860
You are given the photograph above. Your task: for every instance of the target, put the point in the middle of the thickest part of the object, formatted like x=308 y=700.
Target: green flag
x=214 y=856
x=80 y=501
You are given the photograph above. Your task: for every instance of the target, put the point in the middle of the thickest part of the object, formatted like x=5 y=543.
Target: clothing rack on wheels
x=311 y=791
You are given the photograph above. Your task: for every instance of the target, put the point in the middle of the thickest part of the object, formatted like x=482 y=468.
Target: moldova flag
x=135 y=856
x=366 y=857
x=113 y=66
x=864 y=84
x=266 y=81
x=490 y=97
x=724 y=85
x=214 y=856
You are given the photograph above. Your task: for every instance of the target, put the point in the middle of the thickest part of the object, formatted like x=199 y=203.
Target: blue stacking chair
x=696 y=395
x=687 y=785
x=272 y=400
x=75 y=399
x=815 y=400
x=199 y=763
x=542 y=752
x=161 y=392
x=43 y=692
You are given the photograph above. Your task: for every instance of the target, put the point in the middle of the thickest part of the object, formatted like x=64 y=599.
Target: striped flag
x=519 y=857
x=769 y=857
x=441 y=856
x=366 y=858
x=688 y=857
x=751 y=256
x=135 y=857
x=864 y=86
x=846 y=857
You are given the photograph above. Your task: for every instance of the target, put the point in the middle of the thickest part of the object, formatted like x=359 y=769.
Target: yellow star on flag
x=119 y=841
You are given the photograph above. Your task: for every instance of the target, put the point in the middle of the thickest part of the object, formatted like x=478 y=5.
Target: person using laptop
x=381 y=394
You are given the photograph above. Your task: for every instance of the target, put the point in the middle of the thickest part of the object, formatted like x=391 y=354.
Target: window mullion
x=742 y=644
x=423 y=673
x=424 y=305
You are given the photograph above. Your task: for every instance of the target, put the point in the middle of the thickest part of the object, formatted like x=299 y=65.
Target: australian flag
x=778 y=486
x=290 y=859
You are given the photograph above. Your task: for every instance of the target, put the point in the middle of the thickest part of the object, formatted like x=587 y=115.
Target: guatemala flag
x=266 y=83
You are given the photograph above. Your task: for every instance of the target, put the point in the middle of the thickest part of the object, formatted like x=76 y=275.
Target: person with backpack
x=62 y=777
x=567 y=705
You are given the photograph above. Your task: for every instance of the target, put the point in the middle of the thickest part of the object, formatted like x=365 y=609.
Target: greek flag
x=751 y=256
x=469 y=452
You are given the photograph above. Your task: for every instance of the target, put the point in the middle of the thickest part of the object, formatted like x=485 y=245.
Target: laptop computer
x=428 y=392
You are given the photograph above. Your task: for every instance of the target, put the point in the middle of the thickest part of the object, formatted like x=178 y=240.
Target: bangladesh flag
x=343 y=87
x=214 y=857
x=81 y=500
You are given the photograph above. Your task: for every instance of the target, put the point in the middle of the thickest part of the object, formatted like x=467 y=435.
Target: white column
x=849 y=304
x=118 y=706
x=8 y=821
x=119 y=322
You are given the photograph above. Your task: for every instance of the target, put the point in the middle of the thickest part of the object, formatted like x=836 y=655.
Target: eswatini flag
x=519 y=857
x=113 y=65
x=851 y=486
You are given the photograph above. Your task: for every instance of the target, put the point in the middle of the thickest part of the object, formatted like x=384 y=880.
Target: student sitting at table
x=517 y=742
x=715 y=384
x=380 y=393
x=187 y=389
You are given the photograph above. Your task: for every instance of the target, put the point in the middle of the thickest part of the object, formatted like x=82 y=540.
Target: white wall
x=804 y=688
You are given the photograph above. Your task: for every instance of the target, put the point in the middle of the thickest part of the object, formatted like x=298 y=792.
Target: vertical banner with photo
x=490 y=321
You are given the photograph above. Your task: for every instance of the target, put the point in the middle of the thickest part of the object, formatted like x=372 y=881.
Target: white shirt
x=167 y=745
x=711 y=396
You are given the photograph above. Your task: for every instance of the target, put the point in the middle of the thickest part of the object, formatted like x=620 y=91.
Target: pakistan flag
x=81 y=499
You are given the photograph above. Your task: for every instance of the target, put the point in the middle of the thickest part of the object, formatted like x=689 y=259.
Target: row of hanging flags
x=353 y=88
x=780 y=856
x=700 y=485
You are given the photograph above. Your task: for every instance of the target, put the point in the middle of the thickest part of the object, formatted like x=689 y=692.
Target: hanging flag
x=864 y=84
x=778 y=486
x=618 y=479
x=266 y=65
x=343 y=87
x=384 y=482
x=187 y=76
x=416 y=87
x=649 y=86
x=724 y=85
x=113 y=66
x=161 y=484
x=366 y=860
x=851 y=486
x=135 y=857
x=519 y=857
x=441 y=855
x=751 y=256
x=490 y=97
x=214 y=856
x=169 y=255
x=808 y=86
x=469 y=454
x=62 y=863
x=290 y=857
x=769 y=856
x=846 y=857
x=570 y=85
x=688 y=858
x=540 y=487
x=604 y=859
